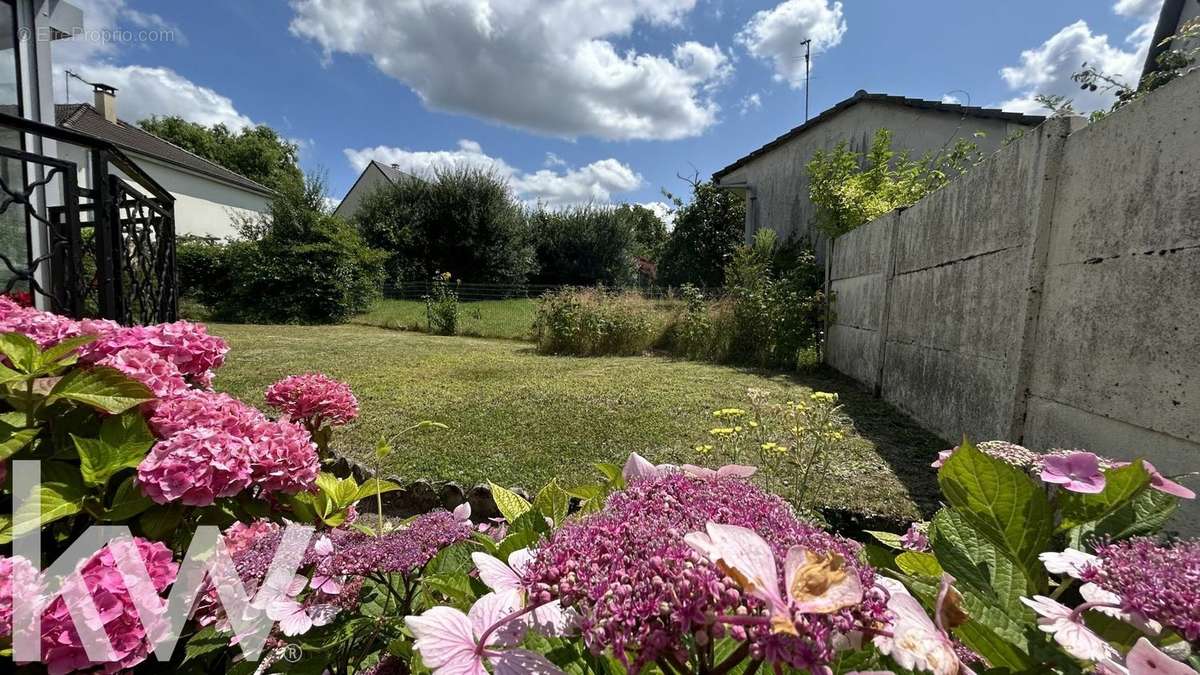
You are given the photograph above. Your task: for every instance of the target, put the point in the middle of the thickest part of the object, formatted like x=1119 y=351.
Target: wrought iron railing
x=104 y=249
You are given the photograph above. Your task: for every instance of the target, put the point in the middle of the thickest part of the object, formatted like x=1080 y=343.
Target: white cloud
x=548 y=66
x=554 y=160
x=751 y=102
x=1140 y=9
x=596 y=183
x=1048 y=69
x=143 y=91
x=664 y=211
x=776 y=35
x=951 y=99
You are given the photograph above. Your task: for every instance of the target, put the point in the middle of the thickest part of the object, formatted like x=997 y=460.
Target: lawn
x=519 y=418
x=508 y=319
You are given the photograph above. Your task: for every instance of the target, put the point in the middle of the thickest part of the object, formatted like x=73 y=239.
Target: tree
x=849 y=189
x=584 y=246
x=465 y=221
x=708 y=229
x=258 y=152
x=649 y=231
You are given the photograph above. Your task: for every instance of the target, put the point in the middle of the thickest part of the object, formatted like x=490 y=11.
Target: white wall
x=203 y=206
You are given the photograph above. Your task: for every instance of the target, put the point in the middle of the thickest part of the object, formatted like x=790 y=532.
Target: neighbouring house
x=774 y=177
x=210 y=200
x=1172 y=17
x=374 y=176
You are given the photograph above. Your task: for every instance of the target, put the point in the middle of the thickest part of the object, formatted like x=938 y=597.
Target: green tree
x=464 y=221
x=583 y=246
x=708 y=230
x=258 y=153
x=649 y=231
x=849 y=189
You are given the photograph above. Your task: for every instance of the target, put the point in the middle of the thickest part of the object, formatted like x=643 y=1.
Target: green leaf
x=127 y=502
x=61 y=354
x=13 y=440
x=455 y=586
x=919 y=564
x=123 y=443
x=374 y=486
x=21 y=351
x=1001 y=502
x=303 y=508
x=998 y=652
x=553 y=502
x=60 y=494
x=8 y=375
x=517 y=541
x=205 y=642
x=1121 y=485
x=887 y=539
x=611 y=472
x=1145 y=514
x=157 y=523
x=102 y=387
x=511 y=504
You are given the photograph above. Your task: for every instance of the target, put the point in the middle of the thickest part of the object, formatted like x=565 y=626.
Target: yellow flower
x=729 y=412
x=722 y=431
x=703 y=449
x=824 y=397
x=753 y=425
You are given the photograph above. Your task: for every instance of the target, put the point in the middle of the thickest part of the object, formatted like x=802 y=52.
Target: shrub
x=441 y=306
x=707 y=231
x=595 y=322
x=301 y=265
x=464 y=221
x=583 y=246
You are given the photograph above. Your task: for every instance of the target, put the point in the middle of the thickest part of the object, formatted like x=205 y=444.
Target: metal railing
x=104 y=249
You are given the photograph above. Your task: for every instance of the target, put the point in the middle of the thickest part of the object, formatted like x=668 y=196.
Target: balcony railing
x=105 y=248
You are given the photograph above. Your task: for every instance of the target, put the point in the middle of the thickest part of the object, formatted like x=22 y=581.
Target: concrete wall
x=370 y=180
x=1050 y=297
x=780 y=178
x=203 y=206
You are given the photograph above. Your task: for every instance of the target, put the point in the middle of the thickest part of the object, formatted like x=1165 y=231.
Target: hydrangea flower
x=400 y=551
x=451 y=642
x=1146 y=659
x=205 y=410
x=284 y=458
x=640 y=589
x=44 y=328
x=159 y=375
x=1158 y=582
x=62 y=648
x=1078 y=472
x=1069 y=630
x=18 y=578
x=550 y=619
x=915 y=642
x=314 y=399
x=195 y=467
x=187 y=345
x=915 y=539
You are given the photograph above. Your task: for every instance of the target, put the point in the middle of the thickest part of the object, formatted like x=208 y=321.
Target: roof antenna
x=68 y=75
x=807 y=61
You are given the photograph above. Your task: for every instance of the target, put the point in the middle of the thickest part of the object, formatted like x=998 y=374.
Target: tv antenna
x=68 y=74
x=807 y=68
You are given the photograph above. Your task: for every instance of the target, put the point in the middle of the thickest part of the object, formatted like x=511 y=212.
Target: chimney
x=106 y=101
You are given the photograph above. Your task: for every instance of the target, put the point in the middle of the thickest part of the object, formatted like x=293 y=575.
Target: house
x=1172 y=17
x=210 y=200
x=774 y=177
x=374 y=176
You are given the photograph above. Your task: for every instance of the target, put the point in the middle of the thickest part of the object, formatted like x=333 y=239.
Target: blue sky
x=577 y=100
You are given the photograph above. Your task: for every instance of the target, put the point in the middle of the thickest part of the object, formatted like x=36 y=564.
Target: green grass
x=519 y=418
x=508 y=319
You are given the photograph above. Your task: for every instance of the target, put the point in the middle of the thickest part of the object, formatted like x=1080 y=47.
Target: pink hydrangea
x=916 y=538
x=206 y=410
x=29 y=586
x=239 y=538
x=284 y=458
x=1077 y=472
x=314 y=399
x=44 y=328
x=1158 y=582
x=62 y=649
x=195 y=467
x=187 y=345
x=158 y=374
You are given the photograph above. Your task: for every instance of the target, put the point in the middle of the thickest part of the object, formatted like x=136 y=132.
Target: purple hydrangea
x=640 y=589
x=1152 y=580
x=357 y=553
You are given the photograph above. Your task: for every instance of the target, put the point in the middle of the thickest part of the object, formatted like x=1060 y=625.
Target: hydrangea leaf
x=159 y=522
x=919 y=564
x=374 y=486
x=1145 y=514
x=999 y=652
x=60 y=494
x=206 y=641
x=21 y=351
x=889 y=539
x=1002 y=503
x=61 y=354
x=102 y=387
x=510 y=504
x=13 y=440
x=123 y=442
x=1121 y=485
x=127 y=502
x=553 y=501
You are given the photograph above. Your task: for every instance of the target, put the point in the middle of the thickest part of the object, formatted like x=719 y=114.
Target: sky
x=577 y=101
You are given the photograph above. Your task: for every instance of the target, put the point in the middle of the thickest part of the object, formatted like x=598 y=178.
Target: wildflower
x=451 y=642
x=1079 y=472
x=195 y=467
x=550 y=619
x=814 y=583
x=722 y=431
x=703 y=449
x=315 y=399
x=727 y=471
x=1069 y=630
x=729 y=413
x=915 y=539
x=641 y=590
x=284 y=458
x=915 y=642
x=113 y=611
x=823 y=397
x=1159 y=583
x=158 y=374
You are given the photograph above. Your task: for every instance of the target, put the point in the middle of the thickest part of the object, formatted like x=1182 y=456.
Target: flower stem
x=503 y=620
